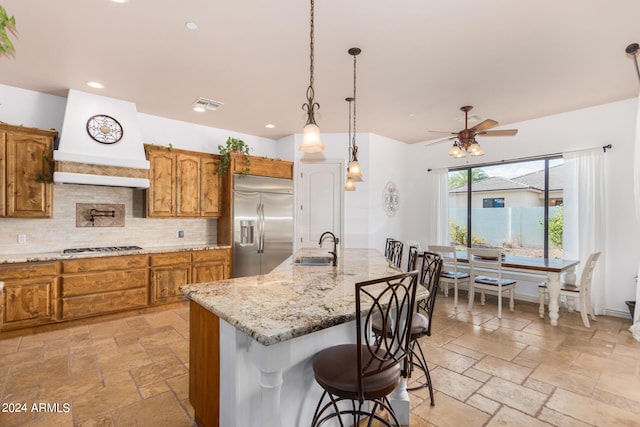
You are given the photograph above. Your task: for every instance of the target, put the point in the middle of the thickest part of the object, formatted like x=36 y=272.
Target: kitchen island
x=252 y=339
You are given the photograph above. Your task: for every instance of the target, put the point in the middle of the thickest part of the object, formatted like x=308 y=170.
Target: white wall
x=597 y=126
x=31 y=109
x=387 y=158
x=188 y=136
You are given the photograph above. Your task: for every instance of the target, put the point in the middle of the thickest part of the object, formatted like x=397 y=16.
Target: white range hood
x=80 y=159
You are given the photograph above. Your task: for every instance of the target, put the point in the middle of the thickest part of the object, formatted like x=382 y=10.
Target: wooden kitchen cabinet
x=93 y=286
x=29 y=294
x=162 y=181
x=263 y=166
x=168 y=272
x=183 y=183
x=210 y=186
x=25 y=166
x=188 y=184
x=211 y=265
x=40 y=293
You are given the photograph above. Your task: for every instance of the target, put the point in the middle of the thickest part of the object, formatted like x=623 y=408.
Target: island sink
x=313 y=260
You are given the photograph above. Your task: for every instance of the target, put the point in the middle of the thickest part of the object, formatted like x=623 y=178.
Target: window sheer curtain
x=635 y=328
x=439 y=208
x=584 y=216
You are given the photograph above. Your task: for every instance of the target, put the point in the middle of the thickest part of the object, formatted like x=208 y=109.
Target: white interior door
x=320 y=202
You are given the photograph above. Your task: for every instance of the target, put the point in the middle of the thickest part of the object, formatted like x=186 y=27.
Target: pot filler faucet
x=335 y=244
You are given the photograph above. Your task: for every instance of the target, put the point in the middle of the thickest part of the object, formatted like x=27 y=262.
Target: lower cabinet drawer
x=91 y=305
x=92 y=283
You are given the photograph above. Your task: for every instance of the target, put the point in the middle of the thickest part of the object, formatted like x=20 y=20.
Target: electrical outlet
x=22 y=238
x=180 y=234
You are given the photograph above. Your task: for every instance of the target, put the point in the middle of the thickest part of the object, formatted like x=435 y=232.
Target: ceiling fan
x=465 y=140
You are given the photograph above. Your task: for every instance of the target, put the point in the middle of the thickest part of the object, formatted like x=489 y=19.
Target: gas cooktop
x=101 y=249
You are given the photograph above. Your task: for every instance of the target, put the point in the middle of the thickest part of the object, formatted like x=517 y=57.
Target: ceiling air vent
x=203 y=104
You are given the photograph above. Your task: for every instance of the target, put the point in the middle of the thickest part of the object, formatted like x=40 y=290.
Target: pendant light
x=349 y=184
x=354 y=171
x=311 y=142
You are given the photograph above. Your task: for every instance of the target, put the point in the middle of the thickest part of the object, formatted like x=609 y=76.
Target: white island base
x=273 y=386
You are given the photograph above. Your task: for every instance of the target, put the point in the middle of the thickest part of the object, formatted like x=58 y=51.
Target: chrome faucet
x=335 y=246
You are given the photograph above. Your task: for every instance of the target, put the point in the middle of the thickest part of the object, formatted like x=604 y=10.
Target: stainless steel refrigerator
x=262 y=224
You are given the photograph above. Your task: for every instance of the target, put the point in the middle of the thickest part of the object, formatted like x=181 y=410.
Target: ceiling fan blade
x=484 y=125
x=503 y=132
x=440 y=141
x=442 y=131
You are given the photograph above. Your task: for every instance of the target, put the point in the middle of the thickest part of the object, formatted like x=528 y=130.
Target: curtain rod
x=604 y=149
x=522 y=159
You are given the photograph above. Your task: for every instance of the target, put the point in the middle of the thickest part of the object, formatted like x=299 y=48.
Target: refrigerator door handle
x=260 y=214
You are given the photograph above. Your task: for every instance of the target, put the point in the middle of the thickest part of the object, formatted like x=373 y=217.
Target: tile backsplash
x=60 y=232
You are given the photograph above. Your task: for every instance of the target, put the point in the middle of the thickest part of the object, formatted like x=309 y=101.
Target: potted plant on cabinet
x=7 y=25
x=233 y=146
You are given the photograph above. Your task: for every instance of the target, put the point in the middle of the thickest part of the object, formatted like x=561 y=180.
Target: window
x=529 y=194
x=497 y=202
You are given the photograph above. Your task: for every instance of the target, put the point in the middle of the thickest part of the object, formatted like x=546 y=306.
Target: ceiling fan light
x=475 y=149
x=349 y=185
x=311 y=142
x=456 y=152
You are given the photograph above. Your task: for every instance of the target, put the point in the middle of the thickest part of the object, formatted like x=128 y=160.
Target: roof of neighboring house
x=536 y=179
x=532 y=181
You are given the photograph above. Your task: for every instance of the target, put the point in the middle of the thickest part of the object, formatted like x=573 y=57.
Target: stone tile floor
x=518 y=371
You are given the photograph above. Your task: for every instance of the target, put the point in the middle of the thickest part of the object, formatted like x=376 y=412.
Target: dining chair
x=411 y=257
x=393 y=251
x=485 y=269
x=429 y=265
x=450 y=274
x=356 y=378
x=572 y=292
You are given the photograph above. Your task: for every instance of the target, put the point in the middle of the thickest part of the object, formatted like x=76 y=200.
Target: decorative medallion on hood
x=104 y=129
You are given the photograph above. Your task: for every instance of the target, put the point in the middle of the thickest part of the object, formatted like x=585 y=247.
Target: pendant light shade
x=354 y=170
x=349 y=185
x=311 y=142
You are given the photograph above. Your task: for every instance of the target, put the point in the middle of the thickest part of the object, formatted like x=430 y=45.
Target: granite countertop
x=293 y=300
x=56 y=256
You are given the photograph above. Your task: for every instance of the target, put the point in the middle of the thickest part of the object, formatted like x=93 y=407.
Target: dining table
x=554 y=270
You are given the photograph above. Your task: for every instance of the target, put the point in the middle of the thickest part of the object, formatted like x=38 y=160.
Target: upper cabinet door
x=188 y=187
x=28 y=158
x=209 y=187
x=162 y=188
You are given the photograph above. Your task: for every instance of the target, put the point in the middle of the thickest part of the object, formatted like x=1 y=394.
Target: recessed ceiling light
x=120 y=1
x=95 y=85
x=191 y=25
x=269 y=126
